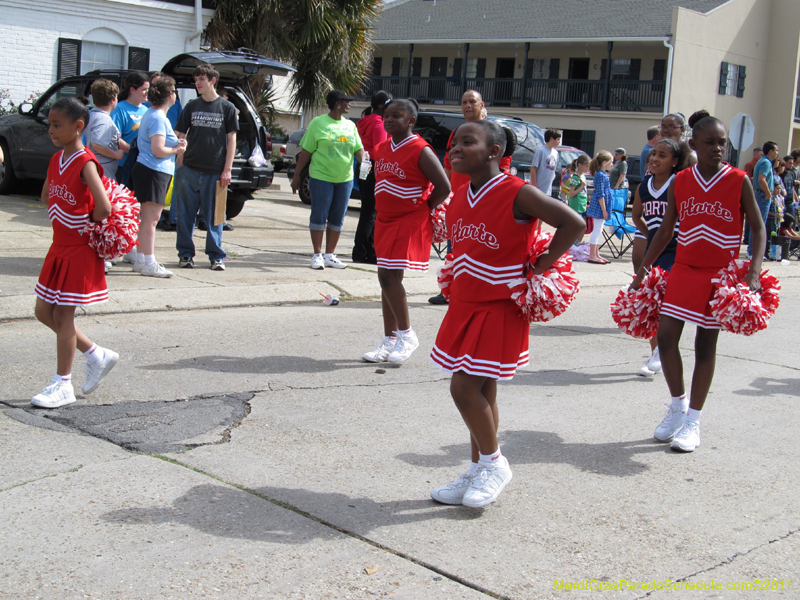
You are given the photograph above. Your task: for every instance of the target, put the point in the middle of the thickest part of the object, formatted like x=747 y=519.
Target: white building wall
x=29 y=33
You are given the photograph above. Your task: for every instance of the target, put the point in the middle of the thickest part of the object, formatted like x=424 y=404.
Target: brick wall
x=29 y=33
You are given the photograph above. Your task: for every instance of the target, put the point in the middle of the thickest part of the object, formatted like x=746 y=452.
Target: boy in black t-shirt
x=209 y=123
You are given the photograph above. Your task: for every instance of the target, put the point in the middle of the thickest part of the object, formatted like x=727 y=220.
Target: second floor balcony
x=614 y=95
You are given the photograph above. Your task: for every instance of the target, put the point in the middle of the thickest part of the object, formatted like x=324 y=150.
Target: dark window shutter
x=636 y=66
x=480 y=68
x=138 y=59
x=555 y=64
x=416 y=66
x=377 y=65
x=740 y=83
x=457 y=64
x=723 y=78
x=397 y=64
x=603 y=67
x=659 y=69
x=69 y=58
x=587 y=141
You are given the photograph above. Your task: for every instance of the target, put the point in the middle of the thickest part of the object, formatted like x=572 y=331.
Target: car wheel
x=7 y=177
x=304 y=191
x=234 y=205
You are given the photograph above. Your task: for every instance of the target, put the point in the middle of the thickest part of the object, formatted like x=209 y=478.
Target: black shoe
x=227 y=227
x=438 y=299
x=165 y=226
x=365 y=260
x=202 y=226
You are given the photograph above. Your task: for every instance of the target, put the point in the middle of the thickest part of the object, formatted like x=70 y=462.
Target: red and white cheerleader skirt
x=72 y=276
x=689 y=294
x=487 y=339
x=404 y=241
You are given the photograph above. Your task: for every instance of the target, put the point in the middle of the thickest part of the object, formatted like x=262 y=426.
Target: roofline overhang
x=658 y=38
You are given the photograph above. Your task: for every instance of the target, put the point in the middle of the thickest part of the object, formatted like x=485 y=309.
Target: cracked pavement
x=240 y=449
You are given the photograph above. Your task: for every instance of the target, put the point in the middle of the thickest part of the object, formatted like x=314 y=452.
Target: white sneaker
x=406 y=344
x=652 y=366
x=381 y=353
x=130 y=256
x=96 y=371
x=453 y=492
x=57 y=393
x=669 y=425
x=107 y=265
x=317 y=262
x=687 y=438
x=154 y=270
x=138 y=266
x=487 y=483
x=333 y=262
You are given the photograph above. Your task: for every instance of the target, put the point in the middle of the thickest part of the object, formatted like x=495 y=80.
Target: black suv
x=27 y=147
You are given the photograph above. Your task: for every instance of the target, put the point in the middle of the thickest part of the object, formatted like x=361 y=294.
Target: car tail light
x=269 y=142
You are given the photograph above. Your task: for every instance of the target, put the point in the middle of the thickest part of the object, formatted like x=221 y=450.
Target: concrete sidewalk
x=241 y=449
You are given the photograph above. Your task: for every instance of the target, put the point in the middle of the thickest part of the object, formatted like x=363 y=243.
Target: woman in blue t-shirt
x=153 y=171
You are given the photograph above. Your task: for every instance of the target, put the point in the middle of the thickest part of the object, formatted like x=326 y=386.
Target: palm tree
x=328 y=41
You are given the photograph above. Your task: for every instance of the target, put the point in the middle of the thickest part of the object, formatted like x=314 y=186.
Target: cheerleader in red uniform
x=709 y=199
x=72 y=274
x=405 y=168
x=484 y=336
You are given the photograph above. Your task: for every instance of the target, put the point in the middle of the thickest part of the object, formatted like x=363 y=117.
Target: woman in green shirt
x=577 y=185
x=330 y=143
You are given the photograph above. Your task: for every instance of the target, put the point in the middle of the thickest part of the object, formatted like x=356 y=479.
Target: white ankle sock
x=680 y=401
x=94 y=354
x=404 y=331
x=489 y=458
x=63 y=378
x=327 y=255
x=693 y=415
x=149 y=259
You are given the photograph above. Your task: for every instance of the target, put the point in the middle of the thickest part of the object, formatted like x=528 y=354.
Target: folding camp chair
x=618 y=233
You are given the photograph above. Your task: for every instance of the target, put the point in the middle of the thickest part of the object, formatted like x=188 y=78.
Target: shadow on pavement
x=230 y=513
x=762 y=386
x=566 y=378
x=553 y=331
x=545 y=447
x=20 y=266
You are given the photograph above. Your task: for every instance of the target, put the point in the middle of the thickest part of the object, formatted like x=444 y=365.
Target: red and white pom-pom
x=736 y=307
x=440 y=233
x=544 y=297
x=115 y=235
x=444 y=276
x=637 y=312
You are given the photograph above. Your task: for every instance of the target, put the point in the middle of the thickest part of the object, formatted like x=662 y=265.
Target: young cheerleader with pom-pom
x=649 y=206
x=72 y=274
x=484 y=336
x=405 y=166
x=709 y=199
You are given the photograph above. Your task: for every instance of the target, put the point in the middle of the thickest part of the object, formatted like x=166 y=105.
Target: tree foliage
x=328 y=41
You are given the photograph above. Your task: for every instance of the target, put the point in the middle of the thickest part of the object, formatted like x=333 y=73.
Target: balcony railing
x=539 y=93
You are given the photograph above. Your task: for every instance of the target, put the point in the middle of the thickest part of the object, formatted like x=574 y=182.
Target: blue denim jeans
x=763 y=207
x=328 y=204
x=195 y=191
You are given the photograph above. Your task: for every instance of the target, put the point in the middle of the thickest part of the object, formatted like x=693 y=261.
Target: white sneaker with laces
x=57 y=393
x=687 y=438
x=669 y=425
x=652 y=366
x=330 y=260
x=487 y=483
x=317 y=262
x=381 y=353
x=96 y=371
x=154 y=270
x=406 y=344
x=453 y=492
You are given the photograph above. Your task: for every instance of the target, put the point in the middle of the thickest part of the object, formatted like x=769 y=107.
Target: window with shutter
x=635 y=67
x=69 y=57
x=139 y=58
x=397 y=64
x=457 y=65
x=377 y=65
x=731 y=79
x=659 y=69
x=416 y=66
x=480 y=71
x=723 y=78
x=740 y=83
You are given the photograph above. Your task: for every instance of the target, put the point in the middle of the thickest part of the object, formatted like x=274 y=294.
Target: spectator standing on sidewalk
x=545 y=161
x=371 y=131
x=101 y=134
x=652 y=140
x=789 y=179
x=750 y=166
x=619 y=172
x=764 y=184
x=209 y=124
x=128 y=114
